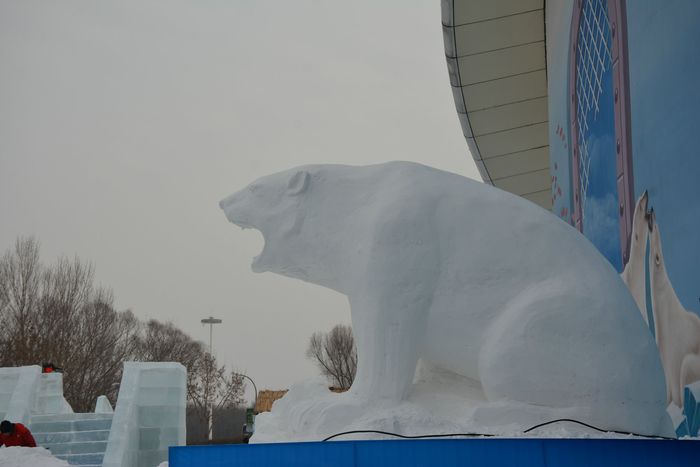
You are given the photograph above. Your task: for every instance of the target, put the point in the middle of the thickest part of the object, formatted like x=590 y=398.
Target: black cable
x=447 y=435
x=595 y=428
x=488 y=435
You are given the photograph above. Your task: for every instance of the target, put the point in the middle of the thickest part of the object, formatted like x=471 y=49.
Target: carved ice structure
x=17 y=387
x=26 y=392
x=149 y=416
x=530 y=321
x=49 y=395
x=103 y=406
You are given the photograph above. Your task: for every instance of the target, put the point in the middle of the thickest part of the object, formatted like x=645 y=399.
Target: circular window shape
x=601 y=159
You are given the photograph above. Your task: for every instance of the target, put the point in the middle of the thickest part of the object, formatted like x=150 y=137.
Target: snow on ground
x=25 y=457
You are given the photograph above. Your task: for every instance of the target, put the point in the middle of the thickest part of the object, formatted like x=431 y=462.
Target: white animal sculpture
x=468 y=277
x=677 y=330
x=634 y=274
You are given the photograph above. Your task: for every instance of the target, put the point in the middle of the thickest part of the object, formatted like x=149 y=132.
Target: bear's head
x=641 y=224
x=642 y=217
x=657 y=267
x=272 y=205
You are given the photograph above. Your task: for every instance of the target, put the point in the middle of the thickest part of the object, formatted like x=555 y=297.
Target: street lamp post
x=211 y=321
x=250 y=422
x=254 y=388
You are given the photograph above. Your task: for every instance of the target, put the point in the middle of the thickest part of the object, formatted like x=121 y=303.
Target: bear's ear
x=298 y=183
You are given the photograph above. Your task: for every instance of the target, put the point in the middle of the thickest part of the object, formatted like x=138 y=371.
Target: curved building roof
x=495 y=53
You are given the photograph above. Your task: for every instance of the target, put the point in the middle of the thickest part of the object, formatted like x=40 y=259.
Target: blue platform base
x=445 y=453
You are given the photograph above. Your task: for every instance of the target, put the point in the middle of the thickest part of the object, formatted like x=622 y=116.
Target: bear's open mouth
x=257 y=263
x=241 y=223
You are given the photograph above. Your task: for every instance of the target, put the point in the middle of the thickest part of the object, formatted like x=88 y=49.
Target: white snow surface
x=29 y=457
x=517 y=316
x=446 y=404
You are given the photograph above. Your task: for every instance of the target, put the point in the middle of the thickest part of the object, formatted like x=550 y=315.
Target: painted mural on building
x=625 y=162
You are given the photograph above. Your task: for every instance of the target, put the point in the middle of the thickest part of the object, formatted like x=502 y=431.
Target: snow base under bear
x=531 y=321
x=440 y=403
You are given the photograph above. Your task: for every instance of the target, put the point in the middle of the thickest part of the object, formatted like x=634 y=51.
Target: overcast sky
x=123 y=123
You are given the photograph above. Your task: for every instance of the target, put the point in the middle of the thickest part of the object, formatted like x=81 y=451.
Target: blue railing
x=445 y=453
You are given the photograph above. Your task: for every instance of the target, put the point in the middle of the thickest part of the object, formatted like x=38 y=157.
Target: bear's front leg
x=387 y=350
x=387 y=358
x=389 y=322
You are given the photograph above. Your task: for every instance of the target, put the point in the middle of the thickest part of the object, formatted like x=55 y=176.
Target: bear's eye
x=658 y=260
x=636 y=236
x=254 y=188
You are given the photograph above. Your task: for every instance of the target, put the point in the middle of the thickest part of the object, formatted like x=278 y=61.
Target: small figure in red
x=15 y=434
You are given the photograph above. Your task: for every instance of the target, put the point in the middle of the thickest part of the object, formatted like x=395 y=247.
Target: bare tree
x=20 y=274
x=66 y=289
x=163 y=342
x=55 y=314
x=335 y=354
x=104 y=340
x=207 y=383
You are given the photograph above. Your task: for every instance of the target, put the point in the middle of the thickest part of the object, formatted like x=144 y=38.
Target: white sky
x=123 y=123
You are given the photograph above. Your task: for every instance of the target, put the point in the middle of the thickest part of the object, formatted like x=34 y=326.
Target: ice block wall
x=20 y=384
x=49 y=395
x=26 y=391
x=102 y=405
x=8 y=381
x=149 y=416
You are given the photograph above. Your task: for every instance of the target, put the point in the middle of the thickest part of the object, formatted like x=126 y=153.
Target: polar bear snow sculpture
x=467 y=277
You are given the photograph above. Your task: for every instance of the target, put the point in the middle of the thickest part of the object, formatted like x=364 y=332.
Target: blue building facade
x=604 y=93
x=659 y=123
x=623 y=104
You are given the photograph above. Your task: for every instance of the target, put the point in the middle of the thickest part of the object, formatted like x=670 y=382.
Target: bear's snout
x=224 y=203
x=231 y=207
x=236 y=210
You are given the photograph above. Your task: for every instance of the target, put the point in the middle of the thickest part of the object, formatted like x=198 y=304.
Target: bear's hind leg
x=563 y=351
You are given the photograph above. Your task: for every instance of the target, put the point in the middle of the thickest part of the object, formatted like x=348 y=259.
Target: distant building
x=266 y=398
